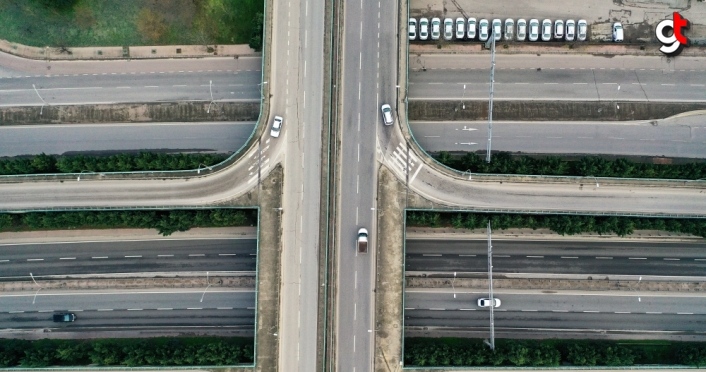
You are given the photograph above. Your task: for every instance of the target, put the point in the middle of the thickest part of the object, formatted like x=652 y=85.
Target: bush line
x=595 y=166
x=192 y=351
x=561 y=224
x=441 y=352
x=143 y=161
x=166 y=222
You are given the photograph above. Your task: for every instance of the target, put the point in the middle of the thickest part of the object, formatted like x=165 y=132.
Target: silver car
x=412 y=29
x=497 y=29
x=386 y=114
x=558 y=29
x=448 y=29
x=521 y=29
x=435 y=28
x=460 y=28
x=570 y=30
x=534 y=30
x=471 y=31
x=509 y=29
x=485 y=302
x=276 y=126
x=546 y=30
x=423 y=28
x=582 y=30
x=483 y=30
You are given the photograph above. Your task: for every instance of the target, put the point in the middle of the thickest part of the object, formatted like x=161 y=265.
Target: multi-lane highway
x=558 y=77
x=94 y=82
x=223 y=137
x=125 y=309
x=133 y=256
x=558 y=257
x=636 y=312
x=675 y=137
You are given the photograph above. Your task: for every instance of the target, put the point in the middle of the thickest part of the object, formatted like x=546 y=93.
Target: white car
x=617 y=32
x=497 y=29
x=582 y=30
x=534 y=30
x=483 y=30
x=471 y=31
x=435 y=28
x=448 y=29
x=412 y=29
x=521 y=29
x=546 y=30
x=276 y=126
x=570 y=30
x=509 y=29
x=485 y=302
x=386 y=114
x=460 y=28
x=423 y=28
x=558 y=29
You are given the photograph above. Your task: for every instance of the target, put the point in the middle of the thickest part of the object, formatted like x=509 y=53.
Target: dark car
x=64 y=317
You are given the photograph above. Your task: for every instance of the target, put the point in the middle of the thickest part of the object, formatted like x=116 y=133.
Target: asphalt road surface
x=93 y=82
x=60 y=139
x=634 y=312
x=158 y=308
x=682 y=137
x=558 y=257
x=557 y=77
x=136 y=256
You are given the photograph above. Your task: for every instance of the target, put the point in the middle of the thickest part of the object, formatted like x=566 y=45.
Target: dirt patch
x=130 y=113
x=389 y=281
x=594 y=283
x=445 y=110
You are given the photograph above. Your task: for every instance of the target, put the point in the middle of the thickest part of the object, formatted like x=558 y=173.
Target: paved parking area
x=639 y=17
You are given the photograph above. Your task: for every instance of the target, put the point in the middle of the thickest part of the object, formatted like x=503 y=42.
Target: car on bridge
x=386 y=114
x=276 y=126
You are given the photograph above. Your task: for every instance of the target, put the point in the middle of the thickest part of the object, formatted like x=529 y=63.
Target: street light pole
x=490 y=289
x=490 y=102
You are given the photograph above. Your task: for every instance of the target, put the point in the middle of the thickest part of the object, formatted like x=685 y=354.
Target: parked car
x=276 y=126
x=509 y=29
x=485 y=302
x=448 y=29
x=64 y=317
x=546 y=30
x=497 y=28
x=471 y=31
x=558 y=29
x=483 y=31
x=617 y=32
x=423 y=28
x=412 y=29
x=460 y=28
x=435 y=28
x=534 y=30
x=570 y=30
x=386 y=114
x=521 y=29
x=582 y=30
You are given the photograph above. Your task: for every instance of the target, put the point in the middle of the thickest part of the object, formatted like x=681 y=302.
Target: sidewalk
x=54 y=236
x=542 y=234
x=607 y=49
x=133 y=52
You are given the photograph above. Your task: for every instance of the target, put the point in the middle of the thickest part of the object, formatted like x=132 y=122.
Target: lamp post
x=82 y=172
x=198 y=171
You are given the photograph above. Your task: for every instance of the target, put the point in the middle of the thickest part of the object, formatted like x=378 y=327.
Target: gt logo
x=673 y=44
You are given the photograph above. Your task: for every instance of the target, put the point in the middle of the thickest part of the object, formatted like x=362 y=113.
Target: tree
x=151 y=25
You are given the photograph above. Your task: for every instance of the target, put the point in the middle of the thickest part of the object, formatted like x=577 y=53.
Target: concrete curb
x=129 y=52
x=423 y=233
x=443 y=47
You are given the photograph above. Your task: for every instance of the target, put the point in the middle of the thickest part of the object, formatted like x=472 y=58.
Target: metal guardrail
x=559 y=212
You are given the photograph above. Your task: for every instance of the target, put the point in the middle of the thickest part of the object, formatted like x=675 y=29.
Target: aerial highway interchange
x=325 y=181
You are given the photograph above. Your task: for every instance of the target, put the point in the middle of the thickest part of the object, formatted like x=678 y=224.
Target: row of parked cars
x=463 y=29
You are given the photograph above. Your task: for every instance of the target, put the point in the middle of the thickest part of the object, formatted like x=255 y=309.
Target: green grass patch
x=178 y=351
x=130 y=22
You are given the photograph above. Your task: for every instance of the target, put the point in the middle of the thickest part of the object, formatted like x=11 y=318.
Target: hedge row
x=561 y=224
x=143 y=161
x=126 y=352
x=505 y=163
x=428 y=352
x=166 y=222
